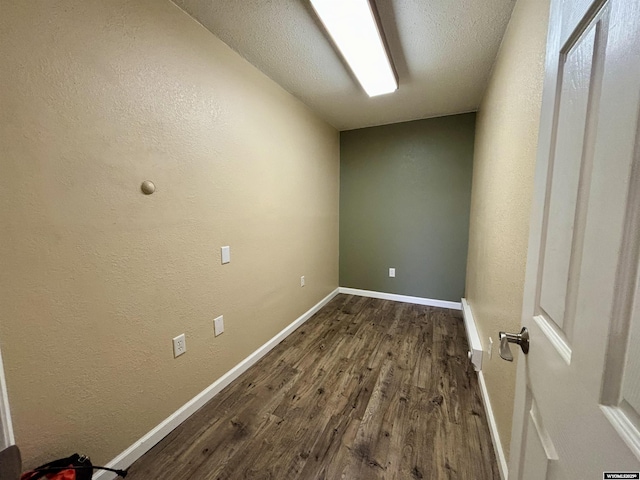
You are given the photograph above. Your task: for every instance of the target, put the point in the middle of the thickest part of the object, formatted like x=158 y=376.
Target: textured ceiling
x=443 y=51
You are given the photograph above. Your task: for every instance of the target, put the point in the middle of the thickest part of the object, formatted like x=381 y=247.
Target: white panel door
x=577 y=407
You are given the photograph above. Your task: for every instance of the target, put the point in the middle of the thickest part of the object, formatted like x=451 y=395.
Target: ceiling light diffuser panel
x=354 y=30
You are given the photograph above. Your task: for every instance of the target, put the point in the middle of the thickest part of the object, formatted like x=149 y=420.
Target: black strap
x=61 y=462
x=42 y=471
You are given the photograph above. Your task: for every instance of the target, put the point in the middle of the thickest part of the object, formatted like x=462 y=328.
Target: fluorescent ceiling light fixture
x=353 y=28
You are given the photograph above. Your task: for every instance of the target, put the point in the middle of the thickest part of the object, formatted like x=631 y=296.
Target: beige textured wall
x=503 y=168
x=96 y=278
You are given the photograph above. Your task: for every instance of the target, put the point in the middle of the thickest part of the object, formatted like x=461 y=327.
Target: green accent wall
x=405 y=192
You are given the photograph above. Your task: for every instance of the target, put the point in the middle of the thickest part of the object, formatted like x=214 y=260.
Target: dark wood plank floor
x=366 y=389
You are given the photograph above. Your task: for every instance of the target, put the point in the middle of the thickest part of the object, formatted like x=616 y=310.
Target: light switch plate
x=226 y=254
x=218 y=325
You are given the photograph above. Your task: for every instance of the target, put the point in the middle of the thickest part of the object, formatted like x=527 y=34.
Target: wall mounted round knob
x=147 y=187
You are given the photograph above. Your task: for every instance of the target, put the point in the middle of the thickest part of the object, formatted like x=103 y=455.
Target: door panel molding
x=626 y=429
x=555 y=337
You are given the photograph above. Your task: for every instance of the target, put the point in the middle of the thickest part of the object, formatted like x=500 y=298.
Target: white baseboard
x=493 y=428
x=6 y=427
x=142 y=446
x=473 y=337
x=401 y=298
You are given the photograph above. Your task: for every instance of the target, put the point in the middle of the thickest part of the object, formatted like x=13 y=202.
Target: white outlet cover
x=179 y=345
x=226 y=254
x=302 y=281
x=392 y=272
x=218 y=325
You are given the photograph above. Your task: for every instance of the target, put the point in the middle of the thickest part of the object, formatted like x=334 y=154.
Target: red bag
x=75 y=467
